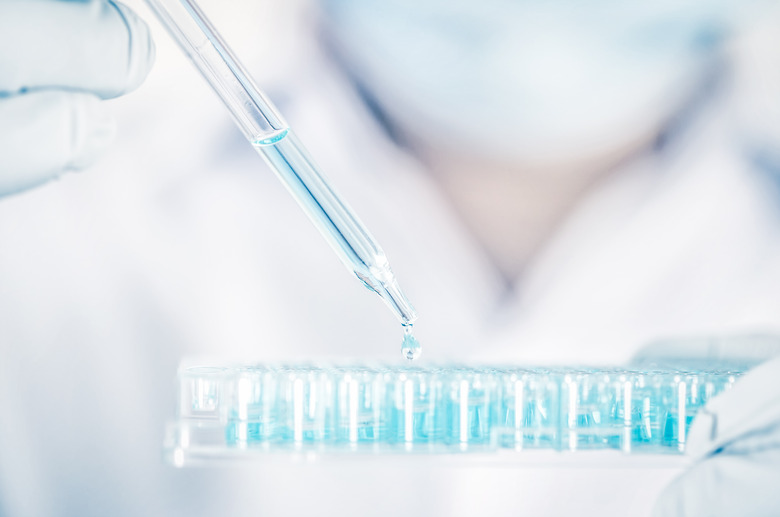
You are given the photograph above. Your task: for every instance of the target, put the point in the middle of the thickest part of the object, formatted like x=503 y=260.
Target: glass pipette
x=270 y=135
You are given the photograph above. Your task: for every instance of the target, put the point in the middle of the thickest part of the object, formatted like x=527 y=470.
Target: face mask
x=524 y=79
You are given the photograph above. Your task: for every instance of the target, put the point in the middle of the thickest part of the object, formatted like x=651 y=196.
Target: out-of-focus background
x=553 y=182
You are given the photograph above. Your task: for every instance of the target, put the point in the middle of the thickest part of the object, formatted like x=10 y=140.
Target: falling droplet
x=410 y=348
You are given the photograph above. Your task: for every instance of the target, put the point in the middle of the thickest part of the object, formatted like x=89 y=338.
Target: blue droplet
x=410 y=348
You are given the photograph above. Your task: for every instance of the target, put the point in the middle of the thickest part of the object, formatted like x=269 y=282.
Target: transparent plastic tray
x=230 y=411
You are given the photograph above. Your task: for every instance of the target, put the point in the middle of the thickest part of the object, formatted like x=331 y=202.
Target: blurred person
x=557 y=183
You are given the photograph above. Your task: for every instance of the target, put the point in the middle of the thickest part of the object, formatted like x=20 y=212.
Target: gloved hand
x=735 y=443
x=58 y=59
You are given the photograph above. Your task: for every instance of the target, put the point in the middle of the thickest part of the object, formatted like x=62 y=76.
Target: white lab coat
x=181 y=243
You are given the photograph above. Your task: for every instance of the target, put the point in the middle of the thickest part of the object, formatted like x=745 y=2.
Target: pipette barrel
x=268 y=132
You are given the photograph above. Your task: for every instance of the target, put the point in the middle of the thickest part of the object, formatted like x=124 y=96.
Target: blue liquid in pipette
x=348 y=237
x=301 y=176
x=271 y=139
x=410 y=348
x=288 y=159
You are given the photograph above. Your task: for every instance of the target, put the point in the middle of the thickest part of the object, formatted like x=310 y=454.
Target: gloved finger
x=99 y=46
x=725 y=485
x=45 y=133
x=740 y=415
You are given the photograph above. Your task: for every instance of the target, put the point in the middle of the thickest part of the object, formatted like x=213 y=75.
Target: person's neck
x=513 y=209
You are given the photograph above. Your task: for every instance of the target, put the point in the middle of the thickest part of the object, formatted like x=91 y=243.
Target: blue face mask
x=524 y=79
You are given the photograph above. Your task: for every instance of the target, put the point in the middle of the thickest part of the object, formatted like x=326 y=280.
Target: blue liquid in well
x=460 y=409
x=410 y=346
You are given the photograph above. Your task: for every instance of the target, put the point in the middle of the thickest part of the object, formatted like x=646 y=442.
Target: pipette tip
x=391 y=293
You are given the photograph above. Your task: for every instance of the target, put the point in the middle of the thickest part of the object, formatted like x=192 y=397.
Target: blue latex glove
x=58 y=59
x=735 y=442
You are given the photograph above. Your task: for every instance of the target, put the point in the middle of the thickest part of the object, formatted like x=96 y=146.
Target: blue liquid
x=410 y=347
x=352 y=242
x=271 y=139
x=299 y=174
x=452 y=408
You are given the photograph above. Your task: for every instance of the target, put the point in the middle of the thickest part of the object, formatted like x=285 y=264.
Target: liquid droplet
x=410 y=348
